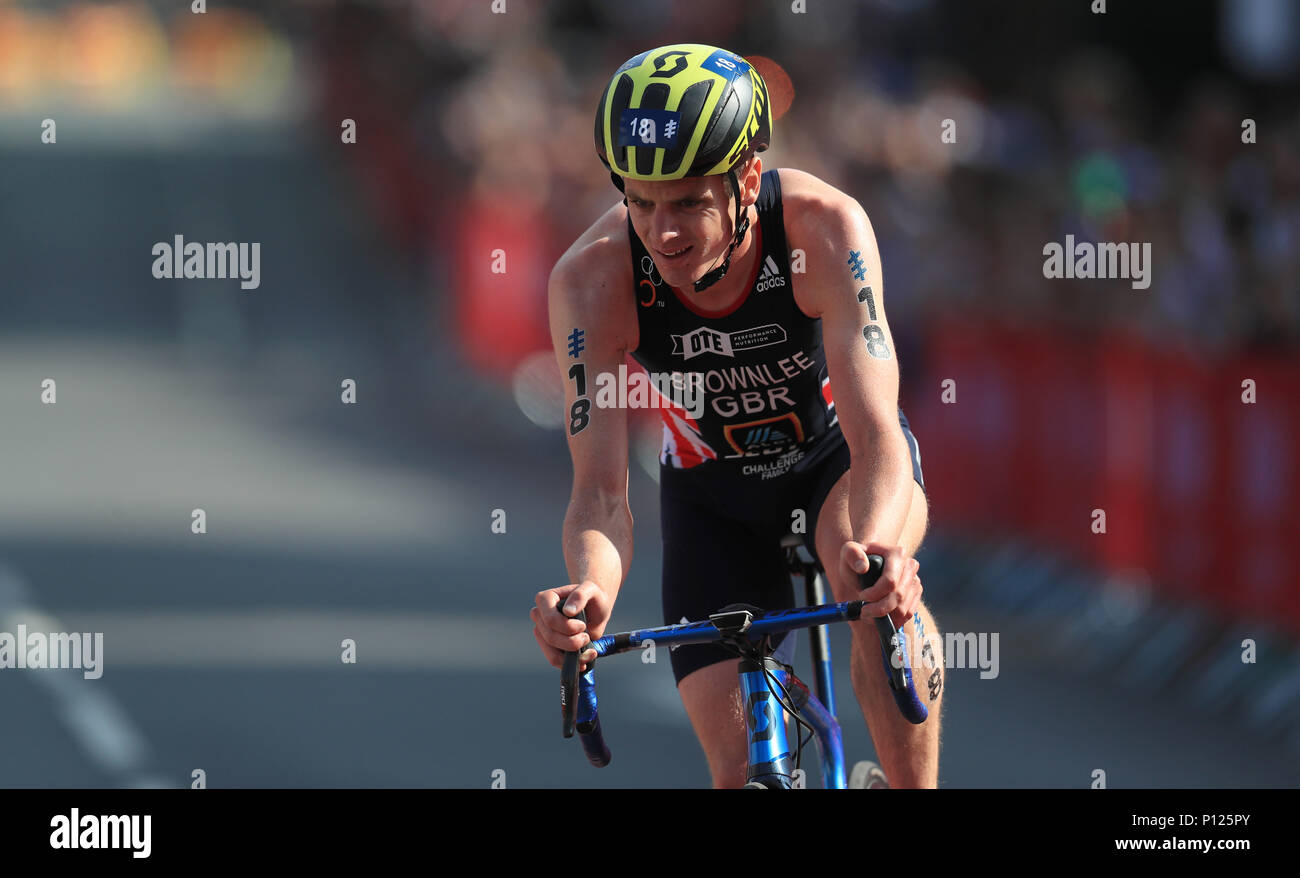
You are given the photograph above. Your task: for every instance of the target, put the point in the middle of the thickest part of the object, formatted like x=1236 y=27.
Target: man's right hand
x=556 y=630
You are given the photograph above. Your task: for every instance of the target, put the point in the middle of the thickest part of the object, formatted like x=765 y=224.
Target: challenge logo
x=766 y=436
x=710 y=341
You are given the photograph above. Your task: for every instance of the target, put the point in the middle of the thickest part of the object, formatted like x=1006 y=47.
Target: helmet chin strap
x=742 y=226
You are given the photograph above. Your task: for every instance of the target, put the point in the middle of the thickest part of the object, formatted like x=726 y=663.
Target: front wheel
x=867 y=775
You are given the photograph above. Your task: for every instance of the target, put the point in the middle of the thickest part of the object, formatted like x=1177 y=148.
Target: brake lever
x=569 y=686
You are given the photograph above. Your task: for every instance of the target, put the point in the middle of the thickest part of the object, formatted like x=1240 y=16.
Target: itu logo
x=650 y=271
x=648 y=286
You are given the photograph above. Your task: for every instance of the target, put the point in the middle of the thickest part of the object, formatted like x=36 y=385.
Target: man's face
x=685 y=224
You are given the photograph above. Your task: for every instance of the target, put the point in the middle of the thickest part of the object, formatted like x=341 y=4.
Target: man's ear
x=751 y=179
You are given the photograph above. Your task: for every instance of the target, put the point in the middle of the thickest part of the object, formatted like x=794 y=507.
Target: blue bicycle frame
x=770 y=759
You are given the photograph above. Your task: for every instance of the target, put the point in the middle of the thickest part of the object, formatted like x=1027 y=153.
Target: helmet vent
x=689 y=107
x=622 y=98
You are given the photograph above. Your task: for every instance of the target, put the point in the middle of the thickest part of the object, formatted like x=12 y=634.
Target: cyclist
x=759 y=290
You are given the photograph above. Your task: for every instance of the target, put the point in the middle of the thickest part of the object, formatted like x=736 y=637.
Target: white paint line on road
x=94 y=719
x=312 y=638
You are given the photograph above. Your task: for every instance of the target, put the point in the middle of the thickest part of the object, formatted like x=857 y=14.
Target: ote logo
x=711 y=341
x=703 y=341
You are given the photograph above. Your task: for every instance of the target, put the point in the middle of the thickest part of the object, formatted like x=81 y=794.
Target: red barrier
x=1261 y=523
x=966 y=457
x=1189 y=478
x=503 y=258
x=1126 y=416
x=1200 y=490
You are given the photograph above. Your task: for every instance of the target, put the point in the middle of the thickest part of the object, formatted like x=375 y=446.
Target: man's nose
x=663 y=226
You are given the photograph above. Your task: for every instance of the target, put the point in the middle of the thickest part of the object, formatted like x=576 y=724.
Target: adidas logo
x=771 y=276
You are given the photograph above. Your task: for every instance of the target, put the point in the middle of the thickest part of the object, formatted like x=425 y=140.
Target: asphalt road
x=370 y=522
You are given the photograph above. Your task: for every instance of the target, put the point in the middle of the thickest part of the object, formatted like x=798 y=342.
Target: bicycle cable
x=783 y=698
x=788 y=705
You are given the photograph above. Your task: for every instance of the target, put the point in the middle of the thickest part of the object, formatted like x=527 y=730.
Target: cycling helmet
x=685 y=110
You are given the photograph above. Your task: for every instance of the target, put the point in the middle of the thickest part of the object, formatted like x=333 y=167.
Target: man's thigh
x=710 y=561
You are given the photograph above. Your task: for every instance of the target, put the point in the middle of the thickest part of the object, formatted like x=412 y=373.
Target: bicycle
x=747 y=630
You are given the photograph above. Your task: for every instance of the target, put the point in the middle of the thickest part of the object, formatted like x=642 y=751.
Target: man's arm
x=844 y=286
x=588 y=317
x=598 y=525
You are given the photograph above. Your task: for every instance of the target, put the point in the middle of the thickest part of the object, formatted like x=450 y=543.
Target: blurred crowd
x=121 y=60
x=475 y=138
x=497 y=110
x=475 y=129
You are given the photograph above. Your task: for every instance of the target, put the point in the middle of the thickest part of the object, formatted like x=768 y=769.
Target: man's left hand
x=898 y=590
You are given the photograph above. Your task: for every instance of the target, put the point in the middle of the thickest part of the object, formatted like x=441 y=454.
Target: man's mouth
x=671 y=255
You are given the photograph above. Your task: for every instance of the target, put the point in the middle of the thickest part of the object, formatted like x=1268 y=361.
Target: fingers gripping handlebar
x=891 y=639
x=578 y=706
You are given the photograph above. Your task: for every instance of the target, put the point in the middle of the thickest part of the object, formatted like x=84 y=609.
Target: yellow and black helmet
x=685 y=110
